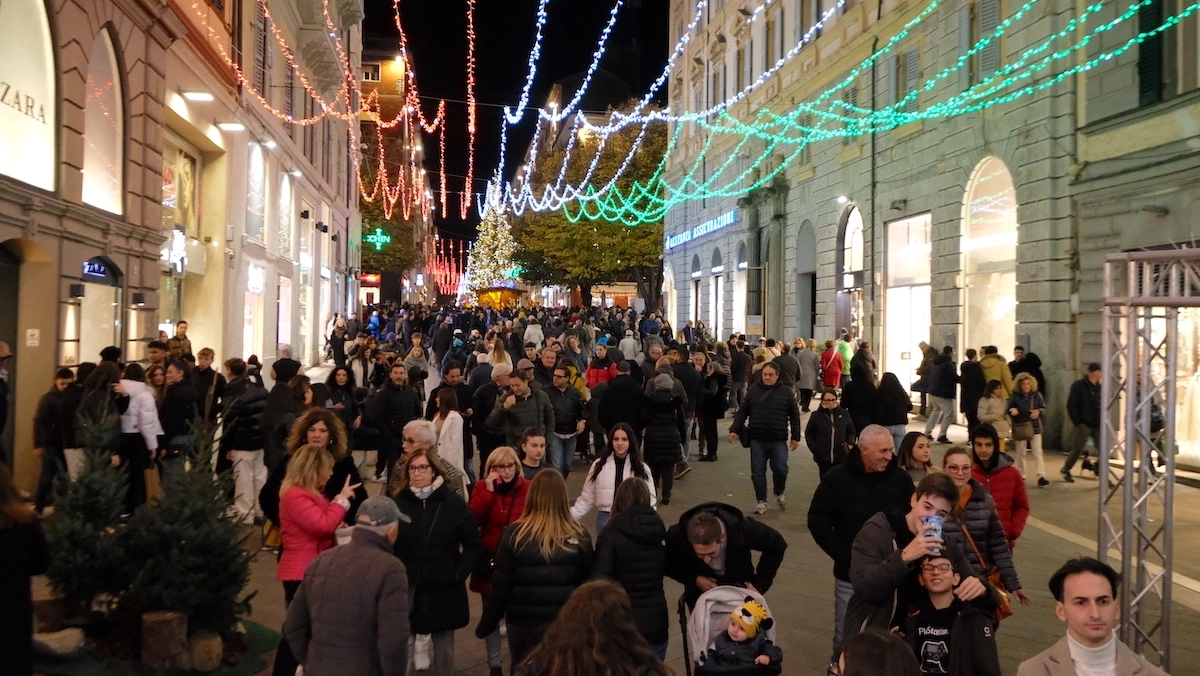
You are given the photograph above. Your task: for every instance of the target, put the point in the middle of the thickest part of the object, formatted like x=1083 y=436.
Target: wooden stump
x=165 y=640
x=206 y=650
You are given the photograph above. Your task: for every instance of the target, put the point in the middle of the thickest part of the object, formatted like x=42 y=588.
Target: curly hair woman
x=319 y=427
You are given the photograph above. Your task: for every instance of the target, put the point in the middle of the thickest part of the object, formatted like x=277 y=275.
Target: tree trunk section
x=165 y=641
x=585 y=295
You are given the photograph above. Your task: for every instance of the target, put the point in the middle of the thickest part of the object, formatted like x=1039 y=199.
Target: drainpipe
x=875 y=296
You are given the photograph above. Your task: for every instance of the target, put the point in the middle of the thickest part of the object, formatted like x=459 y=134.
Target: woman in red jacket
x=995 y=470
x=307 y=521
x=498 y=500
x=831 y=366
x=602 y=368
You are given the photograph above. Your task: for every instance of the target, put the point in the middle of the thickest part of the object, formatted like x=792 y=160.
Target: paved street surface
x=1063 y=525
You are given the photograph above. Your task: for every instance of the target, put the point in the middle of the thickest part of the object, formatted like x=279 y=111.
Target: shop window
x=29 y=96
x=989 y=250
x=256 y=193
x=285 y=214
x=179 y=189
x=104 y=129
x=907 y=313
x=848 y=302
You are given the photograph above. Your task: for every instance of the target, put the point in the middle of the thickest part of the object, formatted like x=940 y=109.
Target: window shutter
x=890 y=94
x=849 y=97
x=783 y=48
x=806 y=121
x=912 y=77
x=989 y=20
x=1150 y=66
x=964 y=45
x=260 y=50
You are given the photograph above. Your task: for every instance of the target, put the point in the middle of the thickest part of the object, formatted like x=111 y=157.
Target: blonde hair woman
x=440 y=548
x=497 y=354
x=544 y=555
x=307 y=518
x=1026 y=408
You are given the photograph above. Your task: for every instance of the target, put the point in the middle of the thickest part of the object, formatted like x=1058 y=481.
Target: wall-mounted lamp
x=77 y=290
x=231 y=126
x=322 y=226
x=899 y=205
x=296 y=173
x=197 y=96
x=139 y=298
x=842 y=199
x=335 y=237
x=270 y=143
x=304 y=214
x=1154 y=210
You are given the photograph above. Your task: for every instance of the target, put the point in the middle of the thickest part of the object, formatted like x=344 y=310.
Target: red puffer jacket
x=306 y=523
x=494 y=512
x=1007 y=487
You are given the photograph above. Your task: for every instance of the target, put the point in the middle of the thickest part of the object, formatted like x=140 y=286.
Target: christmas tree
x=491 y=259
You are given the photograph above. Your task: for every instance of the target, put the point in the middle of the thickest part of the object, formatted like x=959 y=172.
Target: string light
x=464 y=199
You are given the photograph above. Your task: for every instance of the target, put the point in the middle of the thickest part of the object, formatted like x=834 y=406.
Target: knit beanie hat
x=751 y=615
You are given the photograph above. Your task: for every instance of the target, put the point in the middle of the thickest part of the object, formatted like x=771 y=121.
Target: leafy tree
x=402 y=251
x=554 y=251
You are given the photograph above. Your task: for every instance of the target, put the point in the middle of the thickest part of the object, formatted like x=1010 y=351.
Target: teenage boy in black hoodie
x=947 y=634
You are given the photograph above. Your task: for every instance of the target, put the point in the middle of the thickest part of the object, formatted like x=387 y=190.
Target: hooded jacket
x=995 y=368
x=846 y=498
x=743 y=536
x=1007 y=487
x=972 y=639
x=662 y=421
x=632 y=550
x=599 y=492
x=943 y=379
x=142 y=415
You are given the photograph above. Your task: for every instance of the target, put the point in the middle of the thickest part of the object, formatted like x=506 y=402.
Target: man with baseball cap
x=1083 y=408
x=350 y=615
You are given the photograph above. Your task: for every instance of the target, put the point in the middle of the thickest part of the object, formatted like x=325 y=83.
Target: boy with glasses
x=947 y=634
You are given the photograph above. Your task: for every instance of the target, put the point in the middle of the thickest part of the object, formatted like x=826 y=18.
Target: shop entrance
x=907 y=314
x=989 y=250
x=806 y=280
x=848 y=305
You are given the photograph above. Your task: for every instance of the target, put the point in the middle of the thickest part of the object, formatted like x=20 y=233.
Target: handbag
x=993 y=575
x=154 y=489
x=1022 y=431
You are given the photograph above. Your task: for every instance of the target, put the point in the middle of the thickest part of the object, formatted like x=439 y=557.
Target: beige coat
x=1056 y=661
x=991 y=411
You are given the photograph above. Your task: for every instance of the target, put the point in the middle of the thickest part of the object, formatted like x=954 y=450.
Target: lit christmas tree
x=490 y=262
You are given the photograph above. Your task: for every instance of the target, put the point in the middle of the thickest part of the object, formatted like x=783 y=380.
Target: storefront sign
x=175 y=253
x=709 y=226
x=420 y=279
x=100 y=270
x=256 y=279
x=27 y=94
x=369 y=279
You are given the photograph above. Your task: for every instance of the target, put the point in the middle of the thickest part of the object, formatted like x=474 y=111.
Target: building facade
x=953 y=230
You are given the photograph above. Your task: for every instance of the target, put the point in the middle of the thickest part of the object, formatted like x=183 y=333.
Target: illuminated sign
x=709 y=226
x=420 y=279
x=256 y=279
x=27 y=95
x=93 y=267
x=369 y=279
x=175 y=253
x=378 y=239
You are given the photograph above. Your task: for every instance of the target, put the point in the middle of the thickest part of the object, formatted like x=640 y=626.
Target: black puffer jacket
x=623 y=402
x=826 y=434
x=631 y=549
x=662 y=419
x=439 y=549
x=744 y=535
x=244 y=403
x=395 y=407
x=943 y=379
x=527 y=588
x=772 y=411
x=846 y=498
x=714 y=395
x=860 y=396
x=983 y=521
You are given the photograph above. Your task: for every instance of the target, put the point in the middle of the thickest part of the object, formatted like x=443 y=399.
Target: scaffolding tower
x=1143 y=295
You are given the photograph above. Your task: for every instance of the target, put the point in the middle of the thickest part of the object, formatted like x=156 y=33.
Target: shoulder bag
x=993 y=575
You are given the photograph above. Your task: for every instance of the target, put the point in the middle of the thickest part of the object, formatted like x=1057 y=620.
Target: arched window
x=716 y=316
x=104 y=129
x=852 y=248
x=30 y=96
x=989 y=250
x=848 y=302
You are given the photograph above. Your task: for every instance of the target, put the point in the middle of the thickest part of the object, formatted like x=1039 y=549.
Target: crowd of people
x=919 y=549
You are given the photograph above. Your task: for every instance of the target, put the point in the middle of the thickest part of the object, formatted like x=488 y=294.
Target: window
x=750 y=61
x=1151 y=65
x=806 y=123
x=309 y=133
x=370 y=72
x=783 y=47
x=850 y=99
x=326 y=149
x=769 y=42
x=714 y=90
x=289 y=99
x=741 y=69
x=104 y=129
x=262 y=53
x=907 y=76
x=180 y=180
x=977 y=21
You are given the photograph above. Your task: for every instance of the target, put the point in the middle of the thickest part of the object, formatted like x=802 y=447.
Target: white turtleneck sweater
x=1101 y=661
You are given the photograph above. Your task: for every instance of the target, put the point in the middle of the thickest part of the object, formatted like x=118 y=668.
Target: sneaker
x=944 y=440
x=681 y=469
x=1043 y=481
x=1089 y=466
x=666 y=500
x=1066 y=475
x=781 y=501
x=760 y=508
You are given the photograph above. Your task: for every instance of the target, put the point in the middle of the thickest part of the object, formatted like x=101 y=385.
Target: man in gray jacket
x=350 y=615
x=521 y=407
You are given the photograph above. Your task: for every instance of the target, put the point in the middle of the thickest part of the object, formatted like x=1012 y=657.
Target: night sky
x=436 y=31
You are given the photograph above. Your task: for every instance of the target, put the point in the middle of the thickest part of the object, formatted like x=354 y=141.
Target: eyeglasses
x=935 y=567
x=417 y=468
x=507 y=465
x=958 y=469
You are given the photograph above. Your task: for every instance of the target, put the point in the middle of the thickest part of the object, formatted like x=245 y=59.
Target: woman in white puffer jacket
x=602 y=480
x=140 y=432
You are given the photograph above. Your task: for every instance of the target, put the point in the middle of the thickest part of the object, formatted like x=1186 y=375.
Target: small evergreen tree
x=86 y=555
x=491 y=259
x=189 y=556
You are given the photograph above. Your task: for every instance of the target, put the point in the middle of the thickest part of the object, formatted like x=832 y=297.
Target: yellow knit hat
x=750 y=615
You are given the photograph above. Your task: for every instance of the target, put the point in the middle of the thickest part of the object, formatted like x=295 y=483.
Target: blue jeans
x=842 y=591
x=560 y=453
x=898 y=434
x=760 y=453
x=660 y=651
x=601 y=519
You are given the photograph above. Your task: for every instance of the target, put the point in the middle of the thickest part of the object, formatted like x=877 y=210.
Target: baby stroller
x=708 y=619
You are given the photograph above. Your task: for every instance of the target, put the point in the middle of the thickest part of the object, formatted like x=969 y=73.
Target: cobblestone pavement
x=1063 y=525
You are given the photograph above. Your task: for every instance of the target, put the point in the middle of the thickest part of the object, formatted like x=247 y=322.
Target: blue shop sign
x=711 y=225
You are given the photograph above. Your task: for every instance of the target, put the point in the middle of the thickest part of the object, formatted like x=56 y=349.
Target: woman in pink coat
x=831 y=366
x=307 y=522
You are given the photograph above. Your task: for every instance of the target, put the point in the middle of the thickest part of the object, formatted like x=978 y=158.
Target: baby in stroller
x=744 y=641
